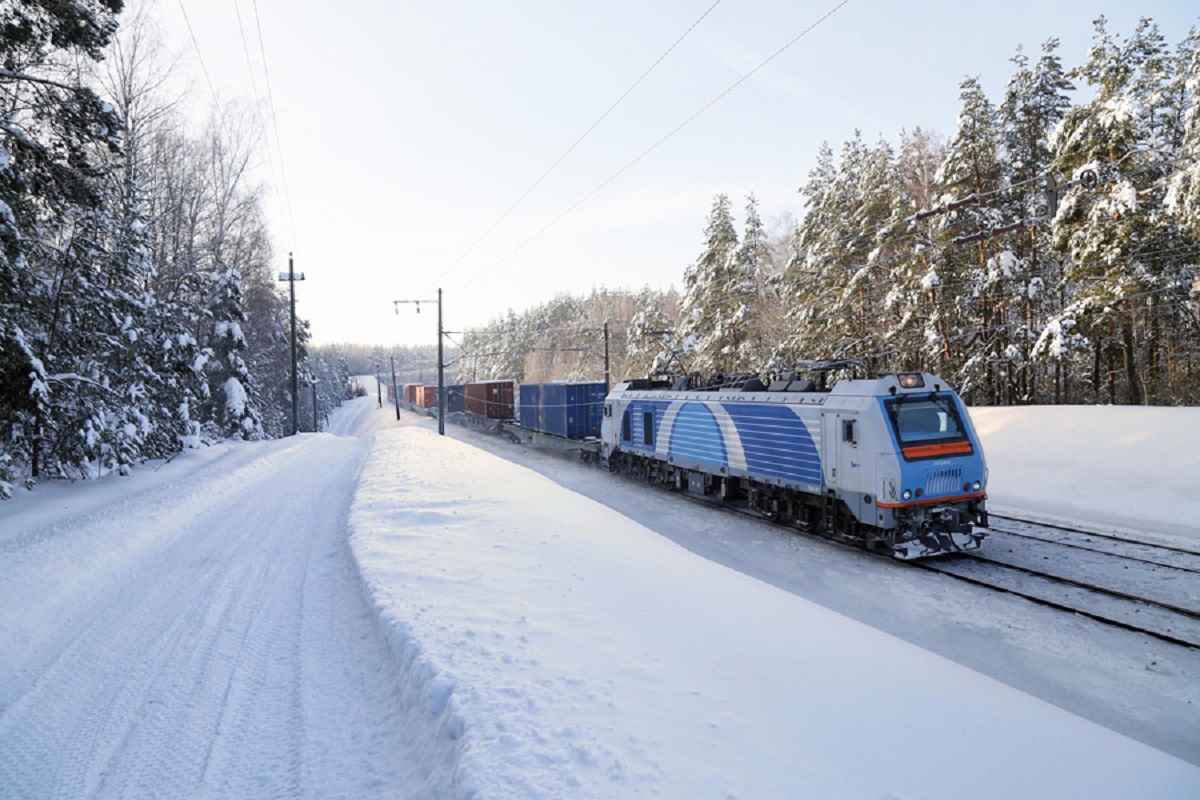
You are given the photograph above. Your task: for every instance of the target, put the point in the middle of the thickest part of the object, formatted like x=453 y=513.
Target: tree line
x=1046 y=252
x=138 y=308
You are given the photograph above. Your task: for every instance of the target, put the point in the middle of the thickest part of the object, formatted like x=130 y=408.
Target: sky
x=509 y=152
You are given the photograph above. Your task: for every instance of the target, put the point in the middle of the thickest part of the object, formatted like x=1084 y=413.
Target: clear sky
x=404 y=132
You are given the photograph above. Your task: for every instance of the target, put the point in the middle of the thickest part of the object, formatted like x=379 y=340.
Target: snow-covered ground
x=1123 y=468
x=380 y=612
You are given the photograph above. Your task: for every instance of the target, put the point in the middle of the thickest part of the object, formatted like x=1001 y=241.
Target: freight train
x=892 y=464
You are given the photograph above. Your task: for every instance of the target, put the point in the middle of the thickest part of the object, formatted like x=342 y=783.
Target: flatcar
x=891 y=463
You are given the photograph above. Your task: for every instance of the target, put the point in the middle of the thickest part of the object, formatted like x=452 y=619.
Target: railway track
x=1141 y=586
x=1149 y=588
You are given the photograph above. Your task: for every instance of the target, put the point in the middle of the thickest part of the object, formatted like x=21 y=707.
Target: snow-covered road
x=214 y=643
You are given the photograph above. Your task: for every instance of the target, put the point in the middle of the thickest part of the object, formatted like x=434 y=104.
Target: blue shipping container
x=573 y=410
x=531 y=401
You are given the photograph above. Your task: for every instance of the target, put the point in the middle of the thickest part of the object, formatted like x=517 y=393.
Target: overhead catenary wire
x=662 y=140
x=554 y=165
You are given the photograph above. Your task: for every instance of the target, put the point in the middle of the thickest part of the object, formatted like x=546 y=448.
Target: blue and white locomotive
x=892 y=463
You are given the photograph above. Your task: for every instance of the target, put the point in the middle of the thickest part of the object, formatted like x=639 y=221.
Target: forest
x=139 y=310
x=1045 y=252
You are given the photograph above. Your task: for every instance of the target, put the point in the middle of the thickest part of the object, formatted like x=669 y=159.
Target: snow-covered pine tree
x=54 y=134
x=653 y=340
x=875 y=254
x=1183 y=198
x=232 y=410
x=907 y=301
x=966 y=334
x=751 y=276
x=715 y=297
x=268 y=339
x=809 y=310
x=834 y=288
x=1034 y=103
x=1126 y=257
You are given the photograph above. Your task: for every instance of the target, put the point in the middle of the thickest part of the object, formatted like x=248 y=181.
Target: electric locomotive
x=891 y=463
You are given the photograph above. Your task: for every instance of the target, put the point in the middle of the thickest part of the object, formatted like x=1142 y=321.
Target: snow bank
x=552 y=648
x=1132 y=468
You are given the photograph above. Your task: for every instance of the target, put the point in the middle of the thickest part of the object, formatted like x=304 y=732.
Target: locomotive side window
x=626 y=428
x=848 y=433
x=648 y=427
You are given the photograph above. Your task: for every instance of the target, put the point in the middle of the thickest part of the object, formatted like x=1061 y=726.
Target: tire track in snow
x=230 y=654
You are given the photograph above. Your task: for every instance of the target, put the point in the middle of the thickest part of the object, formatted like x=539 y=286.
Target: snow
x=571 y=661
x=229 y=329
x=1125 y=468
x=1003 y=265
x=376 y=611
x=235 y=397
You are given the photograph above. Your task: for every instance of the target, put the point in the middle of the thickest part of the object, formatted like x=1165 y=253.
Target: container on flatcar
x=570 y=410
x=489 y=399
x=456 y=399
x=529 y=411
x=410 y=393
x=425 y=397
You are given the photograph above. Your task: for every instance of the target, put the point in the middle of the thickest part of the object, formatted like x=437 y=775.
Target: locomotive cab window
x=928 y=427
x=849 y=433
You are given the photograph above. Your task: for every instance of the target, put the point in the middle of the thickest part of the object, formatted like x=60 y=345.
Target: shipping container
x=490 y=399
x=410 y=393
x=426 y=397
x=456 y=399
x=570 y=410
x=530 y=409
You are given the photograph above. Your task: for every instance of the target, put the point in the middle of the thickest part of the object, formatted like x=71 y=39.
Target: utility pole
x=316 y=429
x=395 y=389
x=607 y=373
x=291 y=277
x=441 y=375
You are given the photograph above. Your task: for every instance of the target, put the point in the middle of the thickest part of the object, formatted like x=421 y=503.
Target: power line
x=275 y=124
x=653 y=147
x=574 y=144
x=257 y=106
x=199 y=55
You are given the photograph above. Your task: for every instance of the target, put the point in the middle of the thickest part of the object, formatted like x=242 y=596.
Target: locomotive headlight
x=977 y=486
x=907 y=495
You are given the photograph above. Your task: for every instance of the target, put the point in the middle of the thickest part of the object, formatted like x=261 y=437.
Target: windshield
x=926 y=420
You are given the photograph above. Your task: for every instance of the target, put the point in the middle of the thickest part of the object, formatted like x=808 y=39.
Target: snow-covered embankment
x=554 y=648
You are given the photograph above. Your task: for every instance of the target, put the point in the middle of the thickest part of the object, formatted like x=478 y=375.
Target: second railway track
x=1135 y=585
x=1140 y=586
